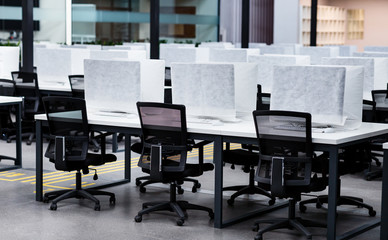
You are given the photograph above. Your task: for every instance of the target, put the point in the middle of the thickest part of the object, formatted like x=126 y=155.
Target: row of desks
x=242 y=132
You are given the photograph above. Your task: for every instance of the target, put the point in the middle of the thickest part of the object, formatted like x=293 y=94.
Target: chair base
x=148 y=181
x=291 y=222
x=342 y=200
x=179 y=207
x=248 y=189
x=370 y=175
x=60 y=195
x=30 y=137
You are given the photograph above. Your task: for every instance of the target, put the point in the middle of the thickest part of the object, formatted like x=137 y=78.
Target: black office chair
x=32 y=103
x=7 y=126
x=164 y=134
x=351 y=160
x=248 y=157
x=380 y=99
x=68 y=148
x=285 y=165
x=76 y=80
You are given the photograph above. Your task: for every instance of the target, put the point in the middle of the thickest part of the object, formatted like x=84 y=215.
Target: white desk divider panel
x=9 y=57
x=347 y=50
x=316 y=53
x=267 y=62
x=375 y=71
x=216 y=45
x=287 y=50
x=232 y=55
x=251 y=45
x=136 y=55
x=295 y=46
x=332 y=94
x=118 y=54
x=376 y=49
x=114 y=86
x=55 y=65
x=89 y=46
x=184 y=54
x=145 y=46
x=371 y=54
x=215 y=91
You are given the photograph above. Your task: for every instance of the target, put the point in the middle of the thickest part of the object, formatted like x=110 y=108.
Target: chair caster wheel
x=138 y=182
x=302 y=208
x=180 y=222
x=271 y=202
x=211 y=215
x=9 y=140
x=142 y=189
x=230 y=202
x=112 y=201
x=138 y=218
x=255 y=228
x=372 y=213
x=28 y=143
x=97 y=207
x=95 y=150
x=198 y=185
x=318 y=205
x=258 y=237
x=194 y=189
x=180 y=190
x=45 y=199
x=53 y=207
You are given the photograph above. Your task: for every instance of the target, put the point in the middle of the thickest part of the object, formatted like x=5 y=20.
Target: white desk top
x=385 y=145
x=243 y=129
x=5 y=99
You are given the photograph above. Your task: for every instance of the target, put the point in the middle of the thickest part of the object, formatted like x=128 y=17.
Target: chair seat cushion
x=240 y=157
x=98 y=159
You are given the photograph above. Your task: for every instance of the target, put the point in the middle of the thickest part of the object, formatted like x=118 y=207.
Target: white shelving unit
x=331 y=25
x=355 y=24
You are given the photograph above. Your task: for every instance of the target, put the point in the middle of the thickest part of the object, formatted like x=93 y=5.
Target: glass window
x=189 y=21
x=110 y=21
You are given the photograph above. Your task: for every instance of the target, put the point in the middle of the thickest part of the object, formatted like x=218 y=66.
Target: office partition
x=332 y=94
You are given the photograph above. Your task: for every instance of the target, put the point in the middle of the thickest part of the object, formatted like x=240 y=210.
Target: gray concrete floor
x=21 y=217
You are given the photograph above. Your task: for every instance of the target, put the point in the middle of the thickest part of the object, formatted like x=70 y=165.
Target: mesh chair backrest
x=67 y=117
x=75 y=79
x=380 y=97
x=262 y=99
x=7 y=87
x=165 y=125
x=284 y=135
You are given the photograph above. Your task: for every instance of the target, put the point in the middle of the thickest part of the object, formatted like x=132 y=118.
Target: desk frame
x=218 y=198
x=18 y=159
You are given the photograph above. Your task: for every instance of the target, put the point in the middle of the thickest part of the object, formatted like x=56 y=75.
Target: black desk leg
x=332 y=202
x=39 y=162
x=127 y=158
x=218 y=144
x=18 y=161
x=384 y=199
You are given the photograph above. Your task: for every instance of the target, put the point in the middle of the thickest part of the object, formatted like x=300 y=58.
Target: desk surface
x=10 y=100
x=244 y=129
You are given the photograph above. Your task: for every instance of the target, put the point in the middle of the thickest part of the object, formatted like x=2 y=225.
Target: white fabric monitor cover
x=376 y=49
x=54 y=65
x=116 y=85
x=216 y=45
x=9 y=57
x=184 y=54
x=110 y=54
x=267 y=62
x=332 y=94
x=215 y=91
x=316 y=53
x=277 y=49
x=232 y=55
x=371 y=54
x=375 y=71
